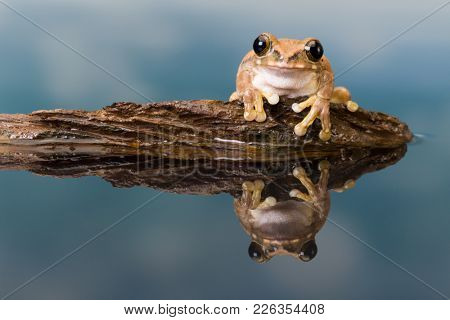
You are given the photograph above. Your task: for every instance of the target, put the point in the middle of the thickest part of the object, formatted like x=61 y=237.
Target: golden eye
x=262 y=45
x=314 y=50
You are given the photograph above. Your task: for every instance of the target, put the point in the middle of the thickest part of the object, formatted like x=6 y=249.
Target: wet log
x=199 y=129
x=201 y=176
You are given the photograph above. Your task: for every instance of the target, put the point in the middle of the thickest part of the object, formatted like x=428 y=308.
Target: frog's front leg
x=314 y=192
x=320 y=107
x=301 y=175
x=252 y=97
x=253 y=105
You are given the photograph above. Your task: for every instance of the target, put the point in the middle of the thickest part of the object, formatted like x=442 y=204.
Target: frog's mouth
x=290 y=68
x=286 y=72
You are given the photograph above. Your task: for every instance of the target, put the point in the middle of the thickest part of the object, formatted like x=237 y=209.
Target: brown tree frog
x=290 y=68
x=286 y=226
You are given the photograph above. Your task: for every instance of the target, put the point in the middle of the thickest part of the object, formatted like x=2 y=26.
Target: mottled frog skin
x=285 y=227
x=288 y=225
x=289 y=68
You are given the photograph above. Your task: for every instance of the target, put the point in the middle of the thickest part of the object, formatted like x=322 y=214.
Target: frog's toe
x=261 y=116
x=296 y=108
x=274 y=99
x=324 y=165
x=300 y=129
x=299 y=172
x=259 y=184
x=349 y=184
x=267 y=203
x=324 y=135
x=295 y=193
x=271 y=200
x=250 y=115
x=352 y=106
x=299 y=107
x=234 y=96
x=248 y=185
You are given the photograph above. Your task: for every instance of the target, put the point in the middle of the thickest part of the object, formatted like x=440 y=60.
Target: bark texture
x=200 y=129
x=201 y=176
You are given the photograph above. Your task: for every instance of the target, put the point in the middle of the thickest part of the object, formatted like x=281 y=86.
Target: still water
x=388 y=237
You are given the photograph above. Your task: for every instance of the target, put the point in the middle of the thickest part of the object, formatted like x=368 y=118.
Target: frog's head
x=304 y=251
x=286 y=228
x=288 y=53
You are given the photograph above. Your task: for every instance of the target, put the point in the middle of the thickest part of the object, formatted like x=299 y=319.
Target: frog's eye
x=308 y=251
x=256 y=252
x=262 y=45
x=314 y=50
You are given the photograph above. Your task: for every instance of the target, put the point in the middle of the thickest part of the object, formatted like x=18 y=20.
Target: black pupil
x=254 y=251
x=260 y=45
x=315 y=50
x=308 y=251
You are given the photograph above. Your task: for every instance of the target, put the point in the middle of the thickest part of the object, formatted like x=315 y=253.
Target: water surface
x=186 y=246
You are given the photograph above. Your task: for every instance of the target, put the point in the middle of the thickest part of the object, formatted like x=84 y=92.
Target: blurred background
x=191 y=247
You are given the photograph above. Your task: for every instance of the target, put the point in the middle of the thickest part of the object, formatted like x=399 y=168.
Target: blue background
x=189 y=247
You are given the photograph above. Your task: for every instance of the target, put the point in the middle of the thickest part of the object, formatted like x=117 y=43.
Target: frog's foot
x=349 y=184
x=254 y=106
x=315 y=192
x=252 y=193
x=234 y=96
x=342 y=95
x=301 y=175
x=319 y=108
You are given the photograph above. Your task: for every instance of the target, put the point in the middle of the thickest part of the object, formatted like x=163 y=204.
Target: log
x=203 y=177
x=199 y=129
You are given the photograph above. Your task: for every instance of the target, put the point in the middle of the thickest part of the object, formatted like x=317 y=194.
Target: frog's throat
x=286 y=81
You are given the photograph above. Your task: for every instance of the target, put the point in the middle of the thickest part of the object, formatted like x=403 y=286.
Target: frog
x=286 y=226
x=294 y=69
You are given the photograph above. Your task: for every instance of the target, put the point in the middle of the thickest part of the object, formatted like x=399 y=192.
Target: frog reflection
x=286 y=226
